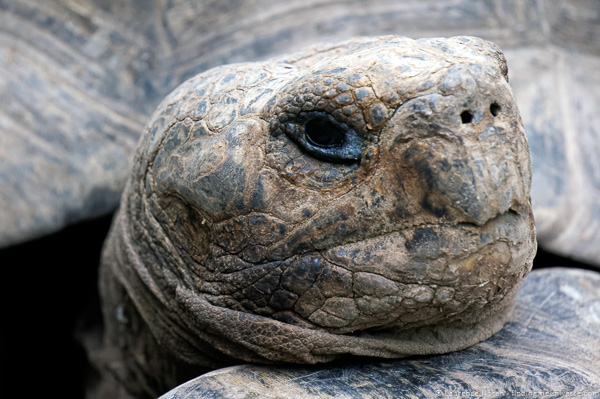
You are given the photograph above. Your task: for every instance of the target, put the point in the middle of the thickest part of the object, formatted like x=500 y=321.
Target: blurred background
x=79 y=79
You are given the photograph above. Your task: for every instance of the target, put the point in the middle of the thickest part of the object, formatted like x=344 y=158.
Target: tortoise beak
x=466 y=179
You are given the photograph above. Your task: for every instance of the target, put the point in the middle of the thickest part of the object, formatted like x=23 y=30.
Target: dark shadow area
x=48 y=286
x=544 y=258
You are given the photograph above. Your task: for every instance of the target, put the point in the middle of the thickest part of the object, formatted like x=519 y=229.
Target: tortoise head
x=371 y=197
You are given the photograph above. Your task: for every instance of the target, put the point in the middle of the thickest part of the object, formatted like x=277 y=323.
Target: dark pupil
x=324 y=133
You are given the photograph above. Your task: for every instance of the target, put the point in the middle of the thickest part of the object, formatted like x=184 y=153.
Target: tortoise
x=98 y=111
x=366 y=198
x=369 y=198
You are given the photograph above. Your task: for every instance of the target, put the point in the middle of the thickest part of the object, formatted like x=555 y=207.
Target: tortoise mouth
x=403 y=279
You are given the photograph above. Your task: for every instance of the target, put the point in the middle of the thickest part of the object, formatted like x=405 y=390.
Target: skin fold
x=366 y=198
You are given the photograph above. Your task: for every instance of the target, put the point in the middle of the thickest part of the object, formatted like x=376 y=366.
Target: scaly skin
x=368 y=198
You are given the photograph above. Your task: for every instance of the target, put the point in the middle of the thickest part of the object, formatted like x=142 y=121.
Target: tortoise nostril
x=466 y=117
x=495 y=109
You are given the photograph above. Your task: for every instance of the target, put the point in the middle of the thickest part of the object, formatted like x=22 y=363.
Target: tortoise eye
x=324 y=133
x=323 y=137
x=329 y=140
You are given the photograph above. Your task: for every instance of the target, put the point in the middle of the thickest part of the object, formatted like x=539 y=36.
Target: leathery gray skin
x=369 y=197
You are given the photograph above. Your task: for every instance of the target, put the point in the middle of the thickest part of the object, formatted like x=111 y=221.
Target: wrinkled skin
x=367 y=198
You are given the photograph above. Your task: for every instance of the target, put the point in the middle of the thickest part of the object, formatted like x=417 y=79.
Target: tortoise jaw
x=435 y=274
x=425 y=275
